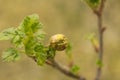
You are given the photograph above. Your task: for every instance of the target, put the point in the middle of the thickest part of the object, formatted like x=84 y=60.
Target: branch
x=62 y=69
x=65 y=70
x=100 y=30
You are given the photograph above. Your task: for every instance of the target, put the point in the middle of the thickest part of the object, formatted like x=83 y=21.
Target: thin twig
x=100 y=30
x=100 y=55
x=62 y=69
x=65 y=70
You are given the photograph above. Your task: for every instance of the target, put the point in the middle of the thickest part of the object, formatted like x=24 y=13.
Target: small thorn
x=103 y=29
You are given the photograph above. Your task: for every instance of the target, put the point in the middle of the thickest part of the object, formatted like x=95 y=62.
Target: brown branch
x=65 y=70
x=100 y=30
x=62 y=69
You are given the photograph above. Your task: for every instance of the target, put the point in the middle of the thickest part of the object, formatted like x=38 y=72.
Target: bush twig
x=62 y=69
x=99 y=14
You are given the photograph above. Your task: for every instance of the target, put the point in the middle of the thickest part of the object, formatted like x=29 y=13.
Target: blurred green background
x=72 y=18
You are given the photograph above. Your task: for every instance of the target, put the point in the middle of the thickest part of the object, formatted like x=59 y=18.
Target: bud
x=59 y=42
x=94 y=42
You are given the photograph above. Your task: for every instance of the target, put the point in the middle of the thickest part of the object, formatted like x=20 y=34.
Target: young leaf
x=27 y=35
x=10 y=54
x=51 y=53
x=29 y=43
x=68 y=50
x=40 y=35
x=7 y=34
x=94 y=42
x=17 y=40
x=12 y=34
x=74 y=69
x=99 y=63
x=31 y=24
x=39 y=47
x=93 y=3
x=41 y=58
x=40 y=53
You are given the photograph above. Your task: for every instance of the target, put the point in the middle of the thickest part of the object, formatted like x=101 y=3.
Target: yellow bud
x=95 y=44
x=59 y=42
x=94 y=41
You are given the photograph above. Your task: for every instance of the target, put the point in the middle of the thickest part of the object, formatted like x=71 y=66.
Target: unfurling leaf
x=28 y=36
x=7 y=34
x=10 y=54
x=17 y=40
x=40 y=53
x=33 y=35
x=68 y=50
x=13 y=34
x=74 y=69
x=29 y=44
x=94 y=42
x=39 y=47
x=40 y=35
x=93 y=3
x=51 y=53
x=30 y=24
x=99 y=63
x=41 y=58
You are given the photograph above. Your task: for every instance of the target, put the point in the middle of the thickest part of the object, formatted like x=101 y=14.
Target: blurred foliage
x=93 y=3
x=27 y=34
x=75 y=69
x=72 y=18
x=11 y=54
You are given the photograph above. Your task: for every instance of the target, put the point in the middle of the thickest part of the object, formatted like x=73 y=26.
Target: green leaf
x=39 y=47
x=12 y=34
x=93 y=3
x=99 y=63
x=94 y=41
x=40 y=35
x=29 y=43
x=27 y=36
x=41 y=58
x=43 y=53
x=31 y=24
x=68 y=50
x=17 y=40
x=40 y=53
x=33 y=33
x=10 y=54
x=74 y=69
x=51 y=53
x=7 y=34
